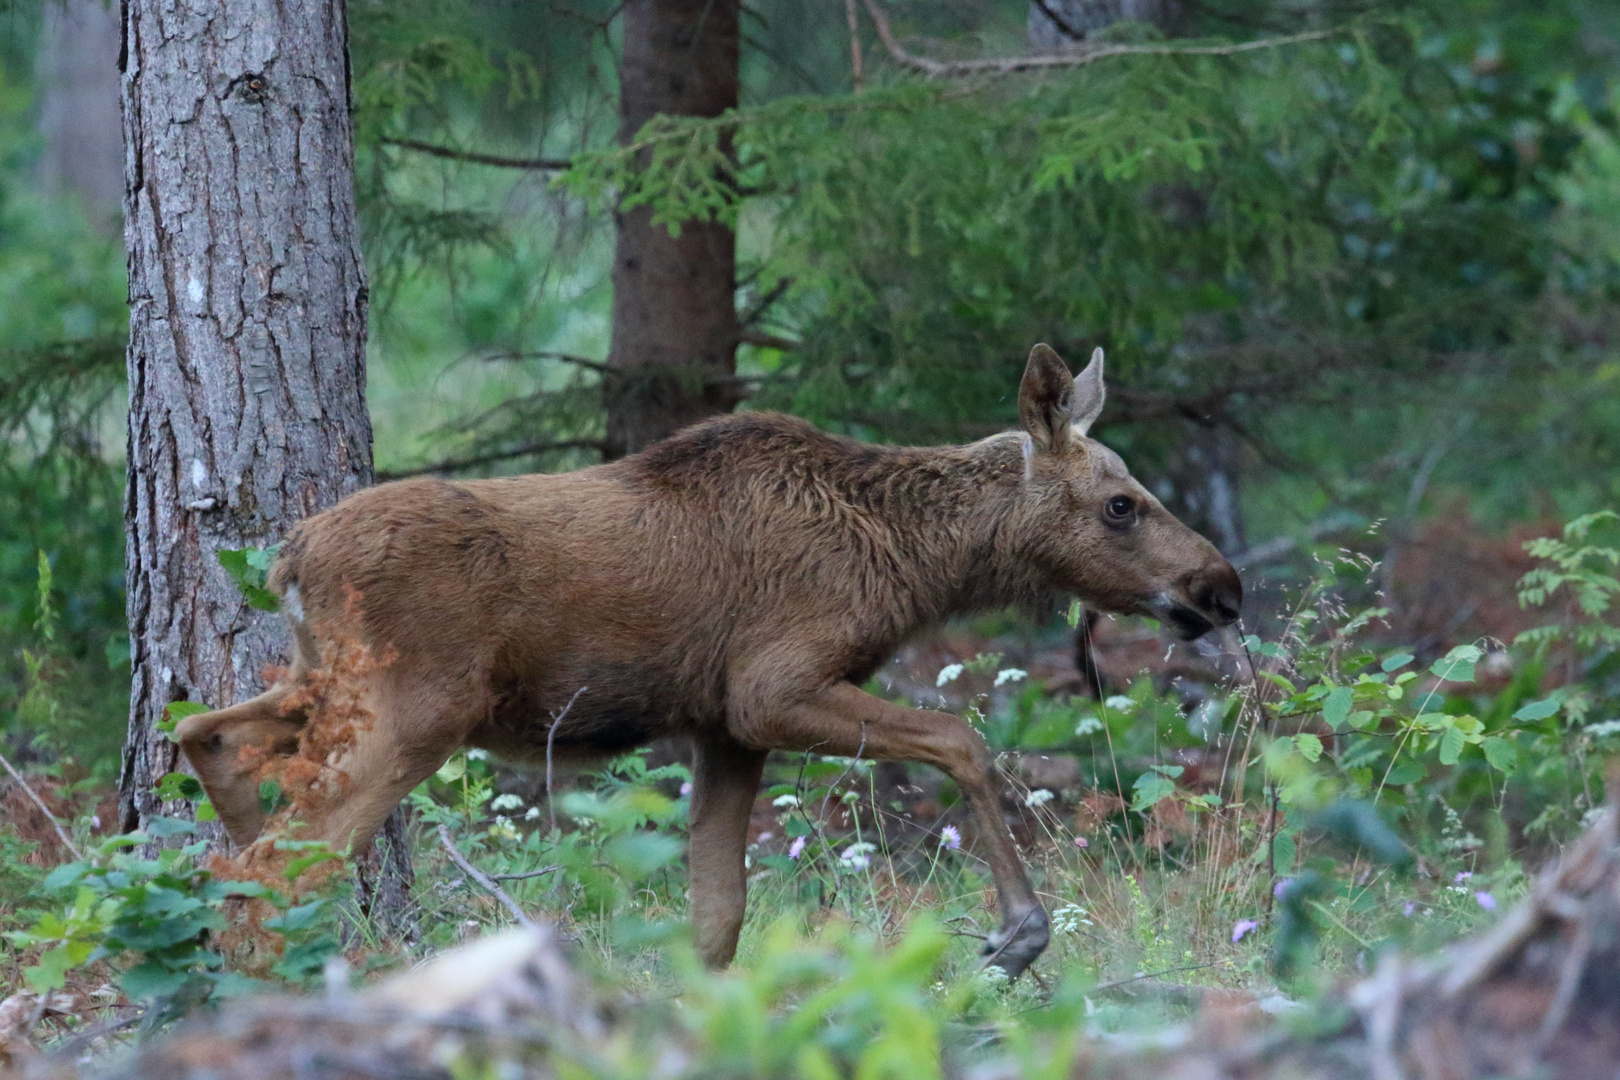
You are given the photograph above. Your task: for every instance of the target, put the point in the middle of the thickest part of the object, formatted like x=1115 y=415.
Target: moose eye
x=1120 y=508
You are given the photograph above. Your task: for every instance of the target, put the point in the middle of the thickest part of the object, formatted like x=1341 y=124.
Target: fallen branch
x=483 y=880
x=1068 y=58
x=61 y=833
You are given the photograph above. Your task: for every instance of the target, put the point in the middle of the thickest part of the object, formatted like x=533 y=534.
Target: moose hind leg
x=725 y=783
x=843 y=719
x=214 y=743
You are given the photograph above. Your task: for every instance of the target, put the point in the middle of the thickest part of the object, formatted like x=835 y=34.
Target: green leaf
x=1149 y=789
x=1502 y=754
x=1309 y=746
x=1336 y=707
x=1396 y=660
x=229 y=984
x=304 y=862
x=165 y=828
x=1076 y=613
x=639 y=854
x=1356 y=824
x=247 y=568
x=1405 y=772
x=1539 y=710
x=1363 y=719
x=297 y=918
x=1451 y=745
x=271 y=798
x=66 y=874
x=152 y=979
x=1457 y=665
x=176 y=711
x=177 y=785
x=1285 y=851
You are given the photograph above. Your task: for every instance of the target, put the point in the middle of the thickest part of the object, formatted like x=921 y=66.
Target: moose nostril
x=1223 y=596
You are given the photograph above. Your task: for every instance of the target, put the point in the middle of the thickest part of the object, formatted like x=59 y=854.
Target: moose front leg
x=843 y=719
x=725 y=783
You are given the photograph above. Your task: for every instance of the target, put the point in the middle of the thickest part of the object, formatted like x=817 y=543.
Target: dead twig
x=1152 y=975
x=544 y=870
x=484 y=880
x=1069 y=58
x=475 y=158
x=61 y=833
x=551 y=734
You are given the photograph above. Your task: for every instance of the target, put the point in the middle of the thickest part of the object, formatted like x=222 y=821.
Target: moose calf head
x=1094 y=530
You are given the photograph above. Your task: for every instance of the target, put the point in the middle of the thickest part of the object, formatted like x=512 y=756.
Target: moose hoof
x=1016 y=945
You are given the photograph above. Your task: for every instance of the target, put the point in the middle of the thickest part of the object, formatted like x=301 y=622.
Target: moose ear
x=1089 y=394
x=1046 y=399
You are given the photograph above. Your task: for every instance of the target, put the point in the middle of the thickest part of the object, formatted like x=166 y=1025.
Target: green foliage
x=1590 y=575
x=249 y=568
x=842 y=1006
x=154 y=917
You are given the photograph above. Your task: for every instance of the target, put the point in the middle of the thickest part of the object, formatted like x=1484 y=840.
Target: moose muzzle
x=1209 y=597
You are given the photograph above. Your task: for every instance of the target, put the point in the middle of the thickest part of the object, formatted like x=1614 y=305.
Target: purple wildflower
x=1409 y=909
x=764 y=836
x=1241 y=927
x=1280 y=890
x=1486 y=900
x=1081 y=842
x=796 y=848
x=686 y=789
x=950 y=837
x=1462 y=876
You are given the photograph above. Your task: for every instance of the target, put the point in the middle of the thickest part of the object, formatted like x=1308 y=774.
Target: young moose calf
x=736 y=583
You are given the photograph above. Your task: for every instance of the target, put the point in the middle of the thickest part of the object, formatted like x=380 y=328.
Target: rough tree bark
x=246 y=335
x=674 y=298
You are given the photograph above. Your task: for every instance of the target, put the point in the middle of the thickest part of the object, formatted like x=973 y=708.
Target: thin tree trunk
x=77 y=73
x=246 y=335
x=674 y=298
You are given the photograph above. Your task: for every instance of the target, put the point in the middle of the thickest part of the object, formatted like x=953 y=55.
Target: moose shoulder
x=735 y=584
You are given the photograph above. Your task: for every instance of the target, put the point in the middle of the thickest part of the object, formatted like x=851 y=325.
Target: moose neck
x=952 y=512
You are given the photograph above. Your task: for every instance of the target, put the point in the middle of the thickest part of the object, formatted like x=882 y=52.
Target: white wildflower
x=1088 y=725
x=1038 y=797
x=785 y=802
x=531 y=813
x=948 y=673
x=857 y=856
x=505 y=802
x=994 y=976
x=1069 y=918
x=1120 y=703
x=1012 y=674
x=477 y=755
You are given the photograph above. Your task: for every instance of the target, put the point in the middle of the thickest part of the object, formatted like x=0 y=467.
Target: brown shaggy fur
x=735 y=583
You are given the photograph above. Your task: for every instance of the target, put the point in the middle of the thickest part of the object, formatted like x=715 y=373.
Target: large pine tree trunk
x=246 y=334
x=674 y=298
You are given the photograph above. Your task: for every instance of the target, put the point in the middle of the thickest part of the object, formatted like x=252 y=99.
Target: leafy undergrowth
x=1246 y=841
